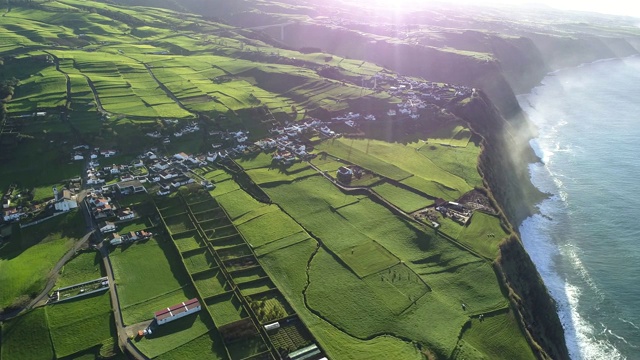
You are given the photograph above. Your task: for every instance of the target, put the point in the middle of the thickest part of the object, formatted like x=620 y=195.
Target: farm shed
x=177 y=311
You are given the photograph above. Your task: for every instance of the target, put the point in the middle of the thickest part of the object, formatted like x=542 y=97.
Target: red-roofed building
x=177 y=311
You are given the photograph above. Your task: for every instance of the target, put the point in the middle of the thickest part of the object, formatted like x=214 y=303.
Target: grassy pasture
x=198 y=260
x=225 y=309
x=182 y=331
x=188 y=241
x=282 y=243
x=28 y=257
x=234 y=252
x=194 y=349
x=460 y=161
x=342 y=150
x=483 y=234
x=45 y=89
x=19 y=334
x=145 y=274
x=270 y=175
x=404 y=157
x=84 y=267
x=268 y=227
x=256 y=286
x=211 y=283
x=406 y=200
x=497 y=336
x=237 y=203
x=80 y=324
x=286 y=267
x=179 y=223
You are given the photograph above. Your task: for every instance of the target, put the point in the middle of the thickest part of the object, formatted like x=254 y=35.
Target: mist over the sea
x=586 y=239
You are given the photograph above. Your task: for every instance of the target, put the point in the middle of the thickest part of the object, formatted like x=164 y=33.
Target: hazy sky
x=618 y=7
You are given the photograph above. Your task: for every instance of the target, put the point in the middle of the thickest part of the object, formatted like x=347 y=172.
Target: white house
x=12 y=214
x=115 y=239
x=77 y=157
x=107 y=153
x=181 y=156
x=66 y=202
x=107 y=227
x=94 y=180
x=151 y=155
x=212 y=156
x=126 y=214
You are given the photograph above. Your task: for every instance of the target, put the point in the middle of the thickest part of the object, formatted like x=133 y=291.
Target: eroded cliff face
x=503 y=166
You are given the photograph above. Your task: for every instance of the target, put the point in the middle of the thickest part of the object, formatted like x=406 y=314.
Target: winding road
x=53 y=276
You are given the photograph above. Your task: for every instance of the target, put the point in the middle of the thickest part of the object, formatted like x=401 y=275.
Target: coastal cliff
x=508 y=181
x=516 y=64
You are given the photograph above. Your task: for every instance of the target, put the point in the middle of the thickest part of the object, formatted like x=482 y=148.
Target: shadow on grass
x=70 y=226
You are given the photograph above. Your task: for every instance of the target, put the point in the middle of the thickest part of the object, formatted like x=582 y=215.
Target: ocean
x=585 y=241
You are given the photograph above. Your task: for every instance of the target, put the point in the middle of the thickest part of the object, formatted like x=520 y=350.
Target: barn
x=177 y=311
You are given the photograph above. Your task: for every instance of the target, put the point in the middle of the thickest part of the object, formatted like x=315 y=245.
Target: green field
x=404 y=199
x=21 y=334
x=31 y=253
x=366 y=281
x=165 y=339
x=433 y=177
x=85 y=266
x=483 y=234
x=149 y=276
x=496 y=336
x=80 y=324
x=193 y=349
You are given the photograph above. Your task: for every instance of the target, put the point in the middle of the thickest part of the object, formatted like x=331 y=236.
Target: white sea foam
x=537 y=234
x=629 y=322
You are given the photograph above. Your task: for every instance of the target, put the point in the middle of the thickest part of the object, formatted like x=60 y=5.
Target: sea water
x=586 y=240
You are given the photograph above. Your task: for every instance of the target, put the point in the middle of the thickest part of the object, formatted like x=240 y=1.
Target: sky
x=616 y=7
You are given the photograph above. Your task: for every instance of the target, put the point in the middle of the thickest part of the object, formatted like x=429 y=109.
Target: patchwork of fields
x=344 y=268
x=83 y=326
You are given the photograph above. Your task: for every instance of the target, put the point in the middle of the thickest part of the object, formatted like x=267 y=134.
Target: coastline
x=544 y=251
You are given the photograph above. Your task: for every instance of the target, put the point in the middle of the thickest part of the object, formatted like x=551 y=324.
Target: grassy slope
x=30 y=254
x=84 y=267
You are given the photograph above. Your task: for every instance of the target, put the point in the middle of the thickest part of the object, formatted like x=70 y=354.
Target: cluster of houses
x=80 y=152
x=190 y=128
x=351 y=118
x=109 y=229
x=419 y=94
x=102 y=208
x=63 y=201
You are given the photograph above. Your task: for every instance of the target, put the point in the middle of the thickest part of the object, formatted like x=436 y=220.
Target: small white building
x=126 y=214
x=115 y=239
x=12 y=214
x=66 y=202
x=177 y=311
x=107 y=227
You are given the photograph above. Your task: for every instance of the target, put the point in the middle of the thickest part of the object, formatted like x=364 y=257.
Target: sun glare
x=617 y=7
